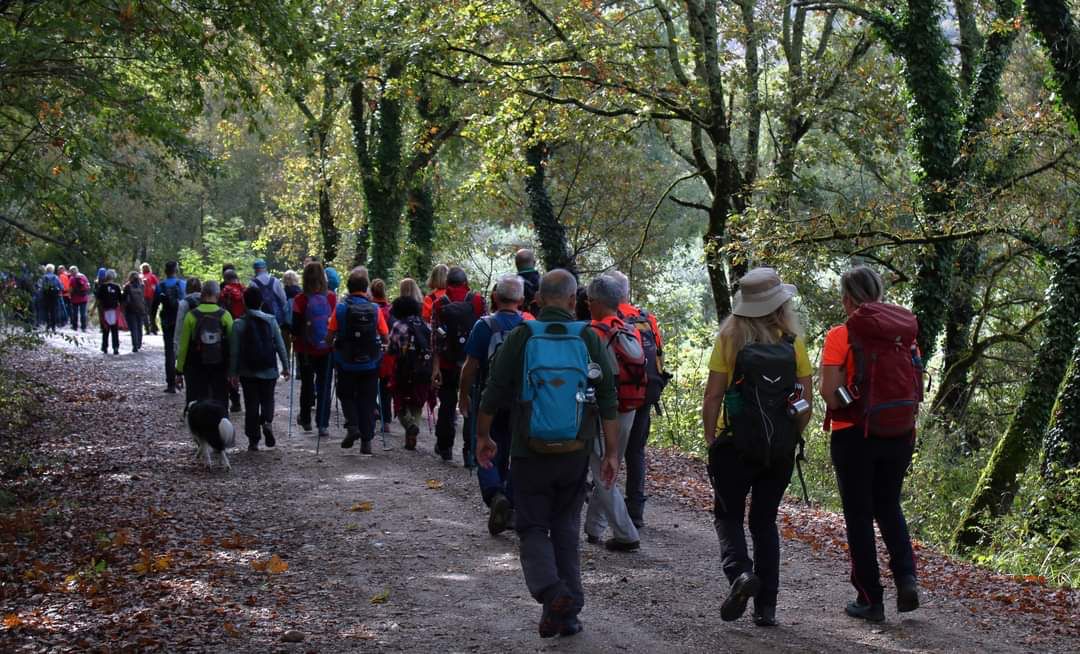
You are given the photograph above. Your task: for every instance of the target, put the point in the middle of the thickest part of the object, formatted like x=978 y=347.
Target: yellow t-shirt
x=723 y=358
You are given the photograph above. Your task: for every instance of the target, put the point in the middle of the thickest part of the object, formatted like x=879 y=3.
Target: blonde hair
x=437 y=278
x=739 y=331
x=409 y=288
x=290 y=278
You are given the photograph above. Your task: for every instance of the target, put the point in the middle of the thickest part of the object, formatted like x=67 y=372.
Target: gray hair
x=510 y=288
x=606 y=290
x=210 y=289
x=862 y=284
x=524 y=258
x=110 y=275
x=558 y=286
x=290 y=278
x=624 y=284
x=50 y=268
x=74 y=270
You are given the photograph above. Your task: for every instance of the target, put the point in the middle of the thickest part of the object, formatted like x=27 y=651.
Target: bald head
x=558 y=289
x=525 y=259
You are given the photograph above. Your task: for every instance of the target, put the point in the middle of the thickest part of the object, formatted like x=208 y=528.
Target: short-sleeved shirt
x=837 y=352
x=340 y=309
x=723 y=359
x=299 y=307
x=480 y=336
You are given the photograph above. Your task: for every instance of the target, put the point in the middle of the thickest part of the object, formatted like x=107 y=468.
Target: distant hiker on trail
x=552 y=421
x=484 y=342
x=167 y=297
x=386 y=368
x=410 y=347
x=203 y=359
x=51 y=298
x=193 y=286
x=622 y=345
x=273 y=293
x=358 y=333
x=436 y=284
x=255 y=348
x=149 y=286
x=108 y=296
x=872 y=412
x=80 y=297
x=333 y=281
x=525 y=262
x=310 y=322
x=134 y=301
x=290 y=282
x=65 y=293
x=232 y=294
x=452 y=318
x=755 y=409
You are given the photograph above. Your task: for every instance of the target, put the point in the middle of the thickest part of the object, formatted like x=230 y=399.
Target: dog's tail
x=227 y=433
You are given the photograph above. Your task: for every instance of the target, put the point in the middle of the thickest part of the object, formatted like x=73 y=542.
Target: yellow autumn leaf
x=382 y=597
x=276 y=566
x=162 y=562
x=362 y=506
x=260 y=566
x=434 y=484
x=231 y=630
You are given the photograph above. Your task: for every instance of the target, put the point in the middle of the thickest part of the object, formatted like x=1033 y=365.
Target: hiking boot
x=556 y=613
x=253 y=446
x=907 y=595
x=410 y=437
x=170 y=389
x=325 y=433
x=743 y=588
x=765 y=616
x=268 y=435
x=350 y=438
x=365 y=447
x=499 y=516
x=234 y=407
x=446 y=454
x=613 y=545
x=570 y=627
x=868 y=612
x=304 y=424
x=592 y=540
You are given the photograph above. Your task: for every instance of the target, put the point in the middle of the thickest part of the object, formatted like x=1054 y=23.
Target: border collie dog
x=210 y=427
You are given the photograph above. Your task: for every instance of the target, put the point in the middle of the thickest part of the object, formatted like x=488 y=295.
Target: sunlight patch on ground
x=452 y=576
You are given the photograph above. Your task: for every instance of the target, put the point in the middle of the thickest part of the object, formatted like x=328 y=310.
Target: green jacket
x=189 y=332
x=503 y=390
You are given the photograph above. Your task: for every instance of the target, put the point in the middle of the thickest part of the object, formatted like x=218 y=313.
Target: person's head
x=558 y=289
x=860 y=285
x=61 y=269
x=437 y=279
x=171 y=268
x=145 y=268
x=605 y=296
x=409 y=288
x=49 y=268
x=110 y=275
x=226 y=267
x=133 y=278
x=624 y=284
x=333 y=279
x=509 y=292
x=210 y=292
x=524 y=259
x=252 y=298
x=358 y=280
x=101 y=274
x=194 y=285
x=378 y=290
x=456 y=276
x=314 y=278
x=259 y=266
x=74 y=270
x=762 y=313
x=230 y=276
x=290 y=278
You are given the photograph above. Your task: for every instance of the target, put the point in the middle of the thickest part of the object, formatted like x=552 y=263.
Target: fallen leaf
x=162 y=562
x=362 y=506
x=13 y=621
x=434 y=484
x=276 y=566
x=382 y=597
x=231 y=629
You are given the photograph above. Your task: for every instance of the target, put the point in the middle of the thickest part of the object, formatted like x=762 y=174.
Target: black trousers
x=206 y=382
x=870 y=473
x=106 y=331
x=170 y=353
x=446 y=424
x=259 y=406
x=316 y=375
x=733 y=480
x=635 y=462
x=358 y=392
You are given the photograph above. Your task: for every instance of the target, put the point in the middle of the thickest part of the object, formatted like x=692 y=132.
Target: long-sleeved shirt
x=189 y=331
x=239 y=341
x=503 y=390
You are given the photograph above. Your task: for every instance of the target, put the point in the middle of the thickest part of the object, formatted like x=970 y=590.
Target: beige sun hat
x=760 y=293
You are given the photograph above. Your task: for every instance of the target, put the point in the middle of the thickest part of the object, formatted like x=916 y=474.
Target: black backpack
x=172 y=297
x=456 y=320
x=210 y=337
x=259 y=347
x=358 y=340
x=414 y=364
x=764 y=379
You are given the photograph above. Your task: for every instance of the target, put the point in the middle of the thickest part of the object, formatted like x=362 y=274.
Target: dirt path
x=417 y=572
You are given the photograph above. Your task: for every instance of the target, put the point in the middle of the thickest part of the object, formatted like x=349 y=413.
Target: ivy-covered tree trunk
x=1061 y=463
x=421 y=206
x=1056 y=30
x=953 y=395
x=554 y=248
x=1022 y=438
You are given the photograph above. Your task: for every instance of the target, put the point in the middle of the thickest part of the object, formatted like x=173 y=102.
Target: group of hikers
x=556 y=384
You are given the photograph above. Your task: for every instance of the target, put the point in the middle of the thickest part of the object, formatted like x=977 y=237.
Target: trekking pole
x=292 y=385
x=382 y=417
x=799 y=458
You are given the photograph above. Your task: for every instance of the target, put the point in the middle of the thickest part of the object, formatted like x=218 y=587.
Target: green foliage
x=223 y=242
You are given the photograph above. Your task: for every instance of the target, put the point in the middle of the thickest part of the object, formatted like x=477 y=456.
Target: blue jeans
x=496 y=479
x=78 y=313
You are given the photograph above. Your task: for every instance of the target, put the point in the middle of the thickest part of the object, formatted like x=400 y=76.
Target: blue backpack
x=554 y=385
x=271 y=303
x=317 y=320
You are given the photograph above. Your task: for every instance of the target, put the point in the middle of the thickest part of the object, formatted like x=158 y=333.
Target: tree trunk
x=1056 y=29
x=953 y=393
x=421 y=229
x=554 y=249
x=1000 y=479
x=1061 y=463
x=330 y=234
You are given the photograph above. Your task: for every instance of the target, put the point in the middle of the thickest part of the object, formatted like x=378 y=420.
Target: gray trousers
x=606 y=505
x=548 y=493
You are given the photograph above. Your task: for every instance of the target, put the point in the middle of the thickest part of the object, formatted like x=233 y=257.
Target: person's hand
x=609 y=469
x=285 y=373
x=179 y=380
x=485 y=450
x=463 y=405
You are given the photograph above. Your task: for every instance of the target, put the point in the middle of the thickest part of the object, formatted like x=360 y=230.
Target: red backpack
x=232 y=299
x=887 y=385
x=625 y=345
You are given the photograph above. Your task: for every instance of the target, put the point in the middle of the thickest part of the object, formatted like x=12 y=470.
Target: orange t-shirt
x=837 y=352
x=380 y=326
x=429 y=301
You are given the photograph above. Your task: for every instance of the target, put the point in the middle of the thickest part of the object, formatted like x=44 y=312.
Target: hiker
x=758 y=370
x=290 y=283
x=80 y=297
x=134 y=301
x=310 y=321
x=525 y=262
x=193 y=286
x=232 y=294
x=272 y=291
x=653 y=342
x=386 y=368
x=622 y=344
x=65 y=293
x=167 y=297
x=452 y=318
x=436 y=284
x=485 y=339
x=872 y=455
x=549 y=443
x=358 y=333
x=202 y=361
x=51 y=298
x=255 y=348
x=149 y=286
x=410 y=347
x=108 y=296
x=333 y=280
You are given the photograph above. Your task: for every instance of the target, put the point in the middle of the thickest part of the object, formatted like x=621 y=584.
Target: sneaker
x=765 y=616
x=446 y=454
x=268 y=434
x=350 y=438
x=499 y=516
x=365 y=447
x=570 y=627
x=253 y=447
x=410 y=437
x=868 y=612
x=743 y=588
x=556 y=613
x=907 y=595
x=613 y=545
x=592 y=540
